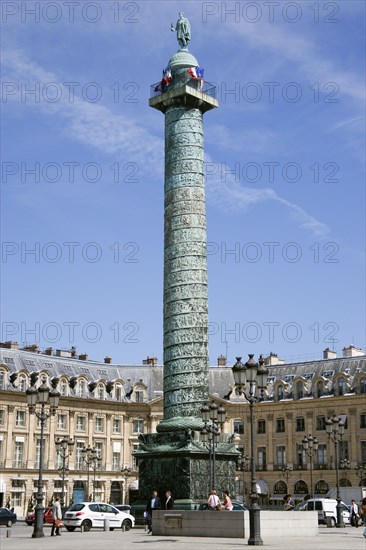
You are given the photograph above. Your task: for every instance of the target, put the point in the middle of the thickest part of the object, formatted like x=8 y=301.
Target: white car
x=327 y=510
x=93 y=514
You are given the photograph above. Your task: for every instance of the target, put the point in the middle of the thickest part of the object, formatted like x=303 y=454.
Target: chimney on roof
x=108 y=360
x=273 y=359
x=48 y=351
x=32 y=347
x=83 y=357
x=329 y=354
x=73 y=351
x=221 y=361
x=9 y=345
x=150 y=361
x=352 y=351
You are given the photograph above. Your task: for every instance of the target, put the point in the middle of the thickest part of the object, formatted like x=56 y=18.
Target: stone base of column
x=180 y=462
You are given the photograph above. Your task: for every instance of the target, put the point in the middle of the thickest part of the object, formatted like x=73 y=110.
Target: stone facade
x=109 y=406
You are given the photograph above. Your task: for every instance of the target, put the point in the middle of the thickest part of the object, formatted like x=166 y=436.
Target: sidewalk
x=138 y=539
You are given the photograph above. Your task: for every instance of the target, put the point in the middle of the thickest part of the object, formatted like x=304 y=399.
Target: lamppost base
x=37 y=534
x=254 y=527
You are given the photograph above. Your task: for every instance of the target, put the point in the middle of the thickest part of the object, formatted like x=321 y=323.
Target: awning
x=262 y=487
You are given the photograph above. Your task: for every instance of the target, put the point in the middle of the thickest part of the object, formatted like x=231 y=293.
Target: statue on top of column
x=183 y=29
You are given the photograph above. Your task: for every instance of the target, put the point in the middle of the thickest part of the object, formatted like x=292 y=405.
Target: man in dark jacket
x=169 y=503
x=152 y=504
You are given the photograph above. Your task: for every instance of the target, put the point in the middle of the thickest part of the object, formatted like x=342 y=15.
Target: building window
x=99 y=424
x=322 y=454
x=99 y=449
x=280 y=488
x=299 y=390
x=100 y=391
x=341 y=386
x=22 y=384
x=61 y=421
x=82 y=388
x=16 y=499
x=134 y=459
x=280 y=456
x=300 y=455
x=139 y=396
x=280 y=425
x=18 y=454
x=321 y=487
x=63 y=387
x=138 y=426
x=20 y=419
x=280 y=393
x=321 y=423
x=363 y=385
x=238 y=427
x=38 y=451
x=116 y=462
x=363 y=452
x=59 y=461
x=343 y=450
x=319 y=389
x=300 y=424
x=2 y=416
x=79 y=461
x=362 y=420
x=118 y=392
x=116 y=427
x=262 y=458
x=2 y=380
x=301 y=487
x=261 y=426
x=80 y=423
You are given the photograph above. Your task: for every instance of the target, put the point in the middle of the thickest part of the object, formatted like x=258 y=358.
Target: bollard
x=106 y=524
x=8 y=533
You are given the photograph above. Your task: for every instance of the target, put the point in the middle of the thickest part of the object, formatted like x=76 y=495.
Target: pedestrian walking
x=169 y=503
x=354 y=517
x=152 y=504
x=57 y=518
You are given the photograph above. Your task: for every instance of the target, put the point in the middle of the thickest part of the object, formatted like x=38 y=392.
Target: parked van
x=327 y=510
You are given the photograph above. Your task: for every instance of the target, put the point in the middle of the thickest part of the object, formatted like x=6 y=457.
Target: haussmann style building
x=106 y=407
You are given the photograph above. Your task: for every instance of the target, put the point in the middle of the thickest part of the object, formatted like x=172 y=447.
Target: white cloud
x=98 y=127
x=230 y=195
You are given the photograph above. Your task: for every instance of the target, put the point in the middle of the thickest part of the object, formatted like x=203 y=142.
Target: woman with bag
x=57 y=517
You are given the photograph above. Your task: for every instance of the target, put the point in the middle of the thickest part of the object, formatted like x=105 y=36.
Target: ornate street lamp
x=335 y=430
x=42 y=396
x=91 y=459
x=126 y=471
x=251 y=381
x=213 y=418
x=311 y=445
x=286 y=472
x=64 y=448
x=345 y=465
x=243 y=465
x=360 y=471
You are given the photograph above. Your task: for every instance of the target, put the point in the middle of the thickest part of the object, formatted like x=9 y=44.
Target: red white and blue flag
x=197 y=74
x=165 y=81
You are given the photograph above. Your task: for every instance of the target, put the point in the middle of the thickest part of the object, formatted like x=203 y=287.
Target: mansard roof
x=221 y=380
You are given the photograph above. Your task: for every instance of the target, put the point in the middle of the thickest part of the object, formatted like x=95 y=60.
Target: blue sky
x=82 y=175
